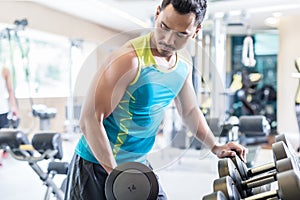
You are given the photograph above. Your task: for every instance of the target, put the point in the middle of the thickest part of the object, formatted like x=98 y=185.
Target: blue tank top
x=131 y=128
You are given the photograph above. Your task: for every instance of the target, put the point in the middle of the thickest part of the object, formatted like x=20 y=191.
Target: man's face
x=173 y=30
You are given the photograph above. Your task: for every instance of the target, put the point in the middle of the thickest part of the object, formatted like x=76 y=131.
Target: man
x=127 y=98
x=7 y=97
x=7 y=101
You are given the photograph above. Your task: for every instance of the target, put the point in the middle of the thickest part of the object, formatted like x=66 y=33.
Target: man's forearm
x=97 y=139
x=197 y=124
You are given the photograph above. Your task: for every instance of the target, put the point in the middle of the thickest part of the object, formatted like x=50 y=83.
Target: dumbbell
x=291 y=150
x=280 y=151
x=288 y=188
x=245 y=187
x=227 y=186
x=131 y=180
x=218 y=195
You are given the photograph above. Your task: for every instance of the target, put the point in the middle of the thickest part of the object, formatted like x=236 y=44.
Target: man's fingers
x=242 y=154
x=239 y=149
x=226 y=153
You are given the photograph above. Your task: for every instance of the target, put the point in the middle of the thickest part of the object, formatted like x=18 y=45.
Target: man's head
x=198 y=7
x=176 y=21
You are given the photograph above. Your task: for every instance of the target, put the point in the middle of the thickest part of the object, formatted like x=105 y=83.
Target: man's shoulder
x=126 y=51
x=125 y=55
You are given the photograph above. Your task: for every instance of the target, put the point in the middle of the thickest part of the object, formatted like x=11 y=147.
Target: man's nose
x=170 y=38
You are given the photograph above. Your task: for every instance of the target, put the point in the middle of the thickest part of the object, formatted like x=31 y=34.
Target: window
x=39 y=62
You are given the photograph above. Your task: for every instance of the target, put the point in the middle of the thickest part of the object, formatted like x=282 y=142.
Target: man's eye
x=181 y=35
x=163 y=27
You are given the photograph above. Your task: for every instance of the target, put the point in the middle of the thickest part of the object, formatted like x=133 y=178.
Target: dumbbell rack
x=238 y=182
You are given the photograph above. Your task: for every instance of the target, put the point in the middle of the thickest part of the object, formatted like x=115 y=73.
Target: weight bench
x=254 y=129
x=48 y=146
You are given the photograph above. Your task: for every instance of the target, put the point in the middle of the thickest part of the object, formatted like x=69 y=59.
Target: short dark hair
x=186 y=6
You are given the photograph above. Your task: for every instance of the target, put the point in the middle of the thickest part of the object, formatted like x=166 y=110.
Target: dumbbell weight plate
x=289 y=185
x=280 y=150
x=241 y=167
x=131 y=180
x=288 y=188
x=282 y=138
x=227 y=187
x=290 y=147
x=226 y=167
x=218 y=195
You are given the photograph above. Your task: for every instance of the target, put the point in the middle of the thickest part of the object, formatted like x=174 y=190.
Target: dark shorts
x=4 y=121
x=86 y=181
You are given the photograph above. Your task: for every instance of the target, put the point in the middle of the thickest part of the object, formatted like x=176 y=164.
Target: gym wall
x=45 y=19
x=49 y=20
x=289 y=50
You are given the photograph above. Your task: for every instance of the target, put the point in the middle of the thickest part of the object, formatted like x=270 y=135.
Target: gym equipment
x=282 y=138
x=227 y=186
x=245 y=186
x=254 y=125
x=253 y=96
x=131 y=180
x=13 y=120
x=218 y=195
x=12 y=138
x=44 y=114
x=225 y=131
x=285 y=151
x=48 y=145
x=278 y=150
x=254 y=129
x=282 y=150
x=288 y=188
x=246 y=179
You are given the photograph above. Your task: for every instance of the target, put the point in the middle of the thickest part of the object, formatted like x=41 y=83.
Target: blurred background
x=244 y=61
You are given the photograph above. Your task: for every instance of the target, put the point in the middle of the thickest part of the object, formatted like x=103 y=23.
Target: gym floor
x=184 y=174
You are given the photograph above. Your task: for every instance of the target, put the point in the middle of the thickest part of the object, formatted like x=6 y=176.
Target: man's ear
x=157 y=12
x=197 y=31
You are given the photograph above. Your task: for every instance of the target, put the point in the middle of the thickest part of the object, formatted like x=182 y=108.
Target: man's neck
x=166 y=62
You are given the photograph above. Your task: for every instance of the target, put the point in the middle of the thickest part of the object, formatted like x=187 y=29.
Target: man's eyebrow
x=184 y=32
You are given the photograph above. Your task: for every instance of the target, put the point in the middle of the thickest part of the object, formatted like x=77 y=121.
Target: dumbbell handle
x=261 y=169
x=260 y=180
x=265 y=195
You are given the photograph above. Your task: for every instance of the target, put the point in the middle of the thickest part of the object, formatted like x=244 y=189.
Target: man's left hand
x=230 y=149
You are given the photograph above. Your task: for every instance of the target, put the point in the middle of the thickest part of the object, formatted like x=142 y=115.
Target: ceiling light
x=274 y=8
x=277 y=14
x=235 y=13
x=219 y=15
x=129 y=17
x=271 y=21
x=122 y=14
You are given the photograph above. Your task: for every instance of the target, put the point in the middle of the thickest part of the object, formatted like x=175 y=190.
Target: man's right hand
x=107 y=169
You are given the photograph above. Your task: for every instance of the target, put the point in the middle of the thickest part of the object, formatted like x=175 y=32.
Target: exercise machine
x=43 y=146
